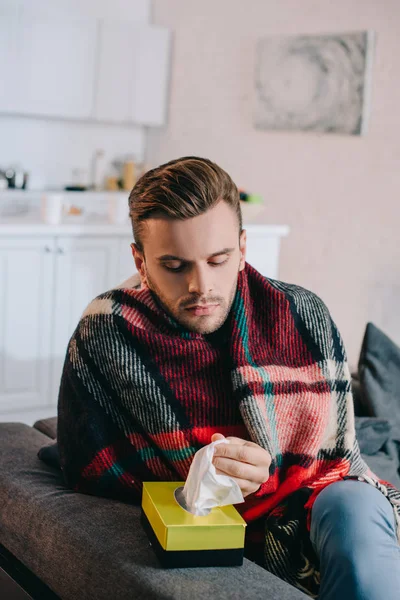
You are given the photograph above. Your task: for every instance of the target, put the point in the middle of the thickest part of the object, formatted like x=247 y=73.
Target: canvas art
x=314 y=82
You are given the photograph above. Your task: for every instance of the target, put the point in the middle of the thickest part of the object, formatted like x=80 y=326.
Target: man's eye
x=219 y=263
x=175 y=267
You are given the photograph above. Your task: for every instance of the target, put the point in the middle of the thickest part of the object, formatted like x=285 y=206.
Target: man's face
x=192 y=266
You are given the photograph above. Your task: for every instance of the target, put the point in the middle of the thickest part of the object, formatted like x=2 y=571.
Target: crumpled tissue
x=205 y=488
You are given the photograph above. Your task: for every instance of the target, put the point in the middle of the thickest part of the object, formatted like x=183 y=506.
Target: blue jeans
x=354 y=534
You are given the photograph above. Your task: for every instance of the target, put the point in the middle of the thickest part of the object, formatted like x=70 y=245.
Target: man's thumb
x=217 y=436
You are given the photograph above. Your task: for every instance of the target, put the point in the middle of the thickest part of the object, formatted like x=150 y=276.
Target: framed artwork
x=314 y=82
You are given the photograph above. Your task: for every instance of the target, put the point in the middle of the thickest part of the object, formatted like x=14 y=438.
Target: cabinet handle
x=47 y=249
x=60 y=250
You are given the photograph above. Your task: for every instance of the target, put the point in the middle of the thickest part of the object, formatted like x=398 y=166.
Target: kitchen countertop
x=14 y=226
x=95 y=220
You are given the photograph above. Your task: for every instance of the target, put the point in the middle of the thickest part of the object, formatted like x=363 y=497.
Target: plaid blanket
x=140 y=395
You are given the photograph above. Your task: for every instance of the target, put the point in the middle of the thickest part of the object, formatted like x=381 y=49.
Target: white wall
x=340 y=195
x=51 y=149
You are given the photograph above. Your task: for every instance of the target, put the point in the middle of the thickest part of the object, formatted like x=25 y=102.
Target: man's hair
x=180 y=189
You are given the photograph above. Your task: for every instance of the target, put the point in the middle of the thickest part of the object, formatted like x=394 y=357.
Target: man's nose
x=200 y=282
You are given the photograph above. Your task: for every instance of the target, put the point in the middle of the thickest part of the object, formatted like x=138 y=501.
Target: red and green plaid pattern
x=140 y=395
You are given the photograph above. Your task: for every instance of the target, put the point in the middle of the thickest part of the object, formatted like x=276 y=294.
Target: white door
x=56 y=67
x=85 y=268
x=26 y=290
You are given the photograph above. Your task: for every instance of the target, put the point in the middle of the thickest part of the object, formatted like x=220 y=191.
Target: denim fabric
x=353 y=533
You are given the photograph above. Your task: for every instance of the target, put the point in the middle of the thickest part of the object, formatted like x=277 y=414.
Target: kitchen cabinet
x=55 y=62
x=262 y=250
x=114 y=82
x=48 y=275
x=132 y=79
x=46 y=283
x=8 y=79
x=126 y=263
x=84 y=268
x=83 y=68
x=151 y=76
x=26 y=303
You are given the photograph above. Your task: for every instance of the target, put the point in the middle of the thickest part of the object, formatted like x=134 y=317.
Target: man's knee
x=347 y=511
x=349 y=499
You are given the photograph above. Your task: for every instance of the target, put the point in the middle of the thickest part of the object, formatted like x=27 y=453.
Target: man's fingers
x=235 y=452
x=239 y=441
x=217 y=436
x=239 y=470
x=253 y=455
x=246 y=487
x=234 y=440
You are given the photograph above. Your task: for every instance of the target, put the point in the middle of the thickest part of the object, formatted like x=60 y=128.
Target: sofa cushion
x=356 y=391
x=95 y=548
x=385 y=467
x=372 y=434
x=379 y=373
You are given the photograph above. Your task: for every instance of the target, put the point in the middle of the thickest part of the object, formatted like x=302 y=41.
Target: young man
x=207 y=347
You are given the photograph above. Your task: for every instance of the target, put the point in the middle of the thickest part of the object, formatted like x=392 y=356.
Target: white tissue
x=204 y=488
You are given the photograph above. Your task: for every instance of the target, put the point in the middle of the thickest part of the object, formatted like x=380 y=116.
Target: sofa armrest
x=83 y=546
x=47 y=426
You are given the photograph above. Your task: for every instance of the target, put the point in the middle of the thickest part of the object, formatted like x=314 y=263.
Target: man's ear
x=138 y=257
x=242 y=248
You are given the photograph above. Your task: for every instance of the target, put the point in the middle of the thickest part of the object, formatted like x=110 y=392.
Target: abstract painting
x=314 y=82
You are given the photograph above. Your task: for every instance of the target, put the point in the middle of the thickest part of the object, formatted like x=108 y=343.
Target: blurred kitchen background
x=95 y=92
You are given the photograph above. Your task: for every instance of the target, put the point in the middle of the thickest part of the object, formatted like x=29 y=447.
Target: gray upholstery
x=379 y=373
x=47 y=426
x=93 y=548
x=372 y=434
x=385 y=466
x=356 y=390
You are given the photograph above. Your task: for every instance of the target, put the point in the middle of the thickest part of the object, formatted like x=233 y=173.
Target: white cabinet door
x=116 y=56
x=126 y=264
x=133 y=73
x=85 y=268
x=263 y=248
x=151 y=76
x=8 y=77
x=26 y=288
x=56 y=67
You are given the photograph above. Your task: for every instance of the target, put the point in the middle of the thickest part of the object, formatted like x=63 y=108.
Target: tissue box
x=181 y=539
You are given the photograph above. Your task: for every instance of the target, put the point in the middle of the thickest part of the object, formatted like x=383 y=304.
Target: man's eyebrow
x=166 y=257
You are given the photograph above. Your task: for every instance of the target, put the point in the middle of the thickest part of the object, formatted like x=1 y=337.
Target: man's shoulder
x=107 y=302
x=297 y=294
x=311 y=316
x=103 y=323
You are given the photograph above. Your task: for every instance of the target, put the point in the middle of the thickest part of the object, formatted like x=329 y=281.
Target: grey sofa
x=55 y=543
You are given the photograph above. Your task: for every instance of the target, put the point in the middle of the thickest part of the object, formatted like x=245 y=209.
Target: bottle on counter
x=128 y=175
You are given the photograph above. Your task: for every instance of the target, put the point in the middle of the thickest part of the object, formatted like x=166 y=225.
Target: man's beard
x=190 y=324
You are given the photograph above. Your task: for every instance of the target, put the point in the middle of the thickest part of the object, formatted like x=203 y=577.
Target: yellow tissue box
x=181 y=539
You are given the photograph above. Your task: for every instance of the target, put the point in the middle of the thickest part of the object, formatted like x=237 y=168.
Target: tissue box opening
x=181 y=539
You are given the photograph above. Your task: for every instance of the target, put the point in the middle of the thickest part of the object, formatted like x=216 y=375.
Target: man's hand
x=244 y=461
